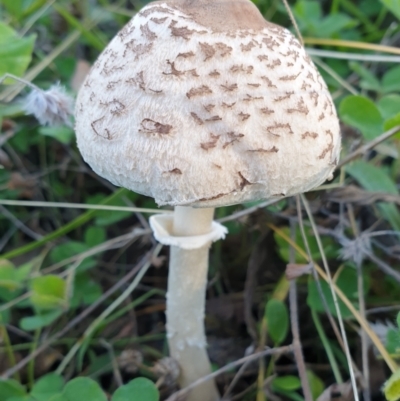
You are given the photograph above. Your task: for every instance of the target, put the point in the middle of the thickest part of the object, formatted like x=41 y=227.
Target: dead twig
x=361 y=150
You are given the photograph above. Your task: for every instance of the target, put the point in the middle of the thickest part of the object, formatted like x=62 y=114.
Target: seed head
x=51 y=107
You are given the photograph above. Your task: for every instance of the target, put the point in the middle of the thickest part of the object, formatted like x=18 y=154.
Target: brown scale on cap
x=281 y=128
x=185 y=55
x=200 y=91
x=224 y=49
x=266 y=110
x=211 y=144
x=175 y=171
x=150 y=126
x=137 y=80
x=310 y=76
x=243 y=181
x=329 y=148
x=106 y=70
x=229 y=88
x=208 y=50
x=147 y=32
x=138 y=50
x=250 y=98
x=183 y=32
x=213 y=118
x=275 y=63
x=233 y=137
x=274 y=149
x=155 y=9
x=286 y=96
x=270 y=43
x=214 y=74
x=305 y=86
x=247 y=47
x=289 y=77
x=198 y=120
x=177 y=73
x=174 y=71
x=158 y=20
x=293 y=54
x=307 y=134
x=111 y=85
x=126 y=31
x=269 y=82
x=116 y=107
x=241 y=68
x=300 y=108
x=209 y=107
x=244 y=116
x=314 y=96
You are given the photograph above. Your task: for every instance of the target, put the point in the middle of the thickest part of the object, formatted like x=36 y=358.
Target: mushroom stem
x=186 y=303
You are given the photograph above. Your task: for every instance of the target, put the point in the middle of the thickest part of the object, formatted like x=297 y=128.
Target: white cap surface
x=206 y=104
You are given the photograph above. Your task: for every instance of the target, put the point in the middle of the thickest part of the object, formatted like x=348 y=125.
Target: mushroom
x=201 y=104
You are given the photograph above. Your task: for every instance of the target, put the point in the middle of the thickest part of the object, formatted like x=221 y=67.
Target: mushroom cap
x=207 y=104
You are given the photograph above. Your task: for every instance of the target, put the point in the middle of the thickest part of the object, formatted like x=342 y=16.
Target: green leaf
x=393 y=341
x=140 y=389
x=335 y=23
x=391 y=388
x=277 y=317
x=398 y=320
x=14 y=7
x=47 y=387
x=62 y=133
x=391 y=80
x=347 y=282
x=24 y=398
x=317 y=386
x=329 y=246
x=95 y=236
x=308 y=13
x=11 y=388
x=22 y=8
x=31 y=323
x=391 y=123
x=389 y=105
x=86 y=290
x=84 y=389
x=376 y=179
x=15 y=52
x=66 y=250
x=8 y=278
x=361 y=113
x=23 y=271
x=71 y=248
x=106 y=218
x=58 y=397
x=393 y=6
x=287 y=383
x=369 y=80
x=48 y=292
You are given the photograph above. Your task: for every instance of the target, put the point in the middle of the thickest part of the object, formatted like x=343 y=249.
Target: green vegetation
x=82 y=292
